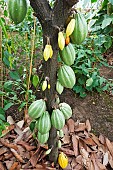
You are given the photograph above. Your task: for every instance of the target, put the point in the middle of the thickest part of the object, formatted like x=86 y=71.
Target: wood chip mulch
x=19 y=150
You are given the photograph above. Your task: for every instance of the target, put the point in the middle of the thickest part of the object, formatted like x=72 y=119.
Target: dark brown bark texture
x=51 y=20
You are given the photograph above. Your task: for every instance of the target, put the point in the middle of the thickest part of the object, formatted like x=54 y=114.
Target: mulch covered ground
x=19 y=150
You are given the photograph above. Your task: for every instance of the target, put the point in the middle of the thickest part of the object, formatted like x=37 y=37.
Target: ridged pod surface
x=43 y=137
x=62 y=160
x=17 y=10
x=80 y=31
x=44 y=123
x=37 y=108
x=66 y=110
x=68 y=54
x=61 y=40
x=66 y=76
x=57 y=119
x=59 y=87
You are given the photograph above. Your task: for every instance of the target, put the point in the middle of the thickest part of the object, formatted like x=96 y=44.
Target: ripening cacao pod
x=57 y=119
x=66 y=110
x=62 y=160
x=48 y=52
x=44 y=123
x=61 y=40
x=66 y=76
x=80 y=30
x=17 y=10
x=37 y=108
x=67 y=40
x=44 y=85
x=68 y=54
x=43 y=138
x=59 y=87
x=70 y=27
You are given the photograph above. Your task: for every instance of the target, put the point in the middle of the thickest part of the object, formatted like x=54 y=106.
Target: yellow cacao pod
x=48 y=52
x=61 y=40
x=44 y=85
x=70 y=27
x=62 y=160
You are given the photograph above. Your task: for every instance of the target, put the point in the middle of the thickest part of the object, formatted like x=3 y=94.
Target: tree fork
x=51 y=20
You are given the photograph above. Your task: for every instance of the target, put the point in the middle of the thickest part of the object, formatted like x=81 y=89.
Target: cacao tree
x=52 y=19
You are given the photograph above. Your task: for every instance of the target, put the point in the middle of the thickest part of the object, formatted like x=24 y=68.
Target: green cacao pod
x=43 y=137
x=68 y=54
x=59 y=87
x=57 y=119
x=66 y=76
x=37 y=108
x=44 y=123
x=17 y=10
x=80 y=31
x=66 y=110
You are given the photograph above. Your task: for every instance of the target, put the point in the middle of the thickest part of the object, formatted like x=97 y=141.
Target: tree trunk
x=51 y=20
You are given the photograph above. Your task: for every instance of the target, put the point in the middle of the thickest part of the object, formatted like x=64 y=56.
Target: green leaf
x=32 y=125
x=89 y=82
x=2 y=117
x=2 y=111
x=35 y=80
x=106 y=22
x=111 y=1
x=7 y=106
x=14 y=75
x=92 y=1
x=8 y=86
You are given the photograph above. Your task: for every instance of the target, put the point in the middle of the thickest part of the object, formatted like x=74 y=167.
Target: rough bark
x=51 y=20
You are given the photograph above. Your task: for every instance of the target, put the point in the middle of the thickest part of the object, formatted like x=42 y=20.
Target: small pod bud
x=44 y=85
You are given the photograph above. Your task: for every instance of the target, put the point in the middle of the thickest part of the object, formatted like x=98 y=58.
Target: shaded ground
x=98 y=108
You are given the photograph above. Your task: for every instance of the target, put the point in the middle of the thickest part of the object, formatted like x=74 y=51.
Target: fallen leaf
x=75 y=145
x=66 y=139
x=26 y=145
x=105 y=159
x=81 y=127
x=95 y=139
x=10 y=120
x=14 y=166
x=3 y=150
x=110 y=159
x=8 y=164
x=40 y=167
x=17 y=156
x=78 y=167
x=34 y=158
x=73 y=163
x=109 y=145
x=1 y=166
x=79 y=159
x=88 y=125
x=8 y=155
x=9 y=145
x=102 y=139
x=71 y=125
x=88 y=141
x=20 y=124
x=67 y=151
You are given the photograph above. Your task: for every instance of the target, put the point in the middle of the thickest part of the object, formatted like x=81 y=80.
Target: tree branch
x=42 y=9
x=71 y=2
